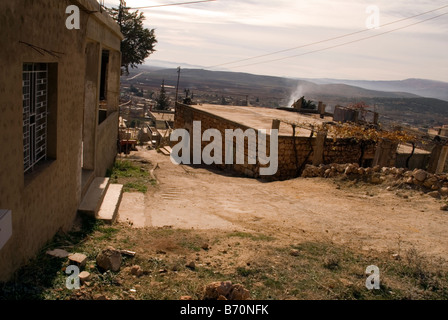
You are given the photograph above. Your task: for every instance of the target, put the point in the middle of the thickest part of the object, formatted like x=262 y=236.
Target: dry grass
x=266 y=267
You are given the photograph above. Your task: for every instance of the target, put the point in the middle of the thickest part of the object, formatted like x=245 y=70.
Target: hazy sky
x=213 y=33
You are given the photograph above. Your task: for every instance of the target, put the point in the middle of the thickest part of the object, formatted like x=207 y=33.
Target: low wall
x=291 y=160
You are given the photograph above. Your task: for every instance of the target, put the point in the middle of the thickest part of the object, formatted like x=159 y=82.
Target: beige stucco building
x=59 y=94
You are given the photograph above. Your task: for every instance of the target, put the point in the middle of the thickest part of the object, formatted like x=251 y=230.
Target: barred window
x=35 y=104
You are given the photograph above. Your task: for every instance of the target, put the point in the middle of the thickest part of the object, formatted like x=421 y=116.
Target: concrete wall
x=290 y=160
x=46 y=200
x=417 y=161
x=106 y=148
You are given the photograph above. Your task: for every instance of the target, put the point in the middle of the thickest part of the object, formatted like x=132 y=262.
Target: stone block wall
x=290 y=160
x=46 y=200
x=347 y=151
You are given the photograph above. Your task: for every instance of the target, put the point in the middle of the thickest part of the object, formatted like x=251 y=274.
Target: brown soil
x=360 y=216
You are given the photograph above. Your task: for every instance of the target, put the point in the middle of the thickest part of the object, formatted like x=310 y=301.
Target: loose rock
x=137 y=271
x=434 y=194
x=78 y=259
x=84 y=277
x=128 y=253
x=420 y=175
x=396 y=256
x=294 y=252
x=430 y=182
x=109 y=259
x=215 y=289
x=239 y=293
x=58 y=253
x=225 y=291
x=191 y=265
x=444 y=191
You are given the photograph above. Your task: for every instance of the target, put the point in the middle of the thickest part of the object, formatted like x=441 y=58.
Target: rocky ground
x=376 y=208
x=196 y=233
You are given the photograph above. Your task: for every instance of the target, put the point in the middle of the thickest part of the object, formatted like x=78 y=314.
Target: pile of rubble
x=225 y=290
x=435 y=185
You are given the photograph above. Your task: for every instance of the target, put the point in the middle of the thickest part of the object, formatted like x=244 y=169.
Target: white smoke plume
x=296 y=95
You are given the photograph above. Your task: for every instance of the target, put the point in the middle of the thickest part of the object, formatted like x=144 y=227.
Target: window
x=104 y=74
x=35 y=104
x=102 y=111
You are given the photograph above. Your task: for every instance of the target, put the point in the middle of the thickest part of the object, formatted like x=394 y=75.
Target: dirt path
x=294 y=210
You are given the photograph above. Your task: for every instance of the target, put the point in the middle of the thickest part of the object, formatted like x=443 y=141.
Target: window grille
x=35 y=103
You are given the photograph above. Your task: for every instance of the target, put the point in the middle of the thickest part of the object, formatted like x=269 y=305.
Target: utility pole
x=177 y=86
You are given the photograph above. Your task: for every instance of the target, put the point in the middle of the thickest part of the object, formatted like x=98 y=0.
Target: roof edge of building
x=101 y=15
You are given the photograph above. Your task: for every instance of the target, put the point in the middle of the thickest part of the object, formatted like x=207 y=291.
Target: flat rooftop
x=162 y=116
x=261 y=118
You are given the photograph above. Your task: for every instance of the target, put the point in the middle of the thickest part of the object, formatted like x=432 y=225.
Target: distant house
x=59 y=92
x=443 y=131
x=162 y=120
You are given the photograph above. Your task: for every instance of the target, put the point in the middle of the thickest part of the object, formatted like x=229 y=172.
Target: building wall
x=417 y=161
x=289 y=160
x=46 y=200
x=106 y=149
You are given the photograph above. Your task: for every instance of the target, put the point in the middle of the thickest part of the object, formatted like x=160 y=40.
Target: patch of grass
x=193 y=244
x=319 y=270
x=107 y=233
x=135 y=187
x=332 y=262
x=427 y=275
x=166 y=232
x=273 y=283
x=125 y=168
x=254 y=237
x=245 y=272
x=134 y=176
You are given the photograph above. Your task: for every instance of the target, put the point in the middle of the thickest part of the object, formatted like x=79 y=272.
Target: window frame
x=35 y=78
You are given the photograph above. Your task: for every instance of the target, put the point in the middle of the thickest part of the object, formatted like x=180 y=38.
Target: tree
x=308 y=104
x=223 y=101
x=163 y=102
x=138 y=42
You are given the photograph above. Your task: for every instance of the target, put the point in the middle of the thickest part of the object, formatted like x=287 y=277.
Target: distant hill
x=400 y=105
x=344 y=90
x=201 y=77
x=223 y=79
x=421 y=87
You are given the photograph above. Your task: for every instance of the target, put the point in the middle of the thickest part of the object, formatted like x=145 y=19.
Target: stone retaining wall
x=436 y=185
x=290 y=161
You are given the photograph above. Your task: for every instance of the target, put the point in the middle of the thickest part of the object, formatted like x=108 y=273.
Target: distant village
x=143 y=120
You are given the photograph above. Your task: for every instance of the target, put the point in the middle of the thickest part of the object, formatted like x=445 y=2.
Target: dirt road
x=360 y=216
